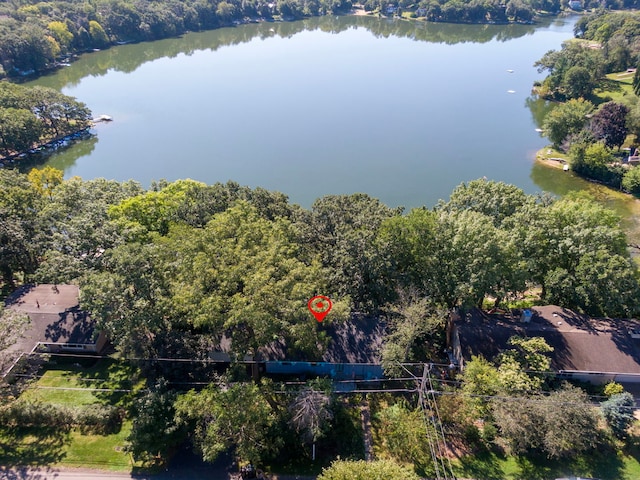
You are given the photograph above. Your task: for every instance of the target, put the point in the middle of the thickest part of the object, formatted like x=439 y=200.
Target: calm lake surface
x=403 y=111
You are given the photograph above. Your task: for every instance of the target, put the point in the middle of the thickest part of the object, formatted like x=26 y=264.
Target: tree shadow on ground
x=112 y=379
x=485 y=465
x=533 y=469
x=32 y=446
x=602 y=463
x=605 y=85
x=24 y=473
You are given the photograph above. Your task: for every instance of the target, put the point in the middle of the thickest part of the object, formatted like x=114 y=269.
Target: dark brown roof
x=580 y=342
x=54 y=313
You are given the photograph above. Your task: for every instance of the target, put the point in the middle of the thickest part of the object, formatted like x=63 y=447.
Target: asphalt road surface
x=184 y=466
x=55 y=474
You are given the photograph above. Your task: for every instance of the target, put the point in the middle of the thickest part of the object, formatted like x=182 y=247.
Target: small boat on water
x=102 y=118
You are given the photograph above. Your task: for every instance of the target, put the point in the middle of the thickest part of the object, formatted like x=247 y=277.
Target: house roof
x=580 y=343
x=358 y=340
x=55 y=316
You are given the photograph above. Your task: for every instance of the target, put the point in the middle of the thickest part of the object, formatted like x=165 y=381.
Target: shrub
x=99 y=419
x=35 y=414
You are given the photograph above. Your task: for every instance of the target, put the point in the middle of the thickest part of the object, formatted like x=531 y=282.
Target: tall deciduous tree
x=228 y=416
x=341 y=230
x=609 y=124
x=154 y=432
x=416 y=332
x=20 y=129
x=560 y=425
x=566 y=119
x=496 y=200
x=244 y=275
x=19 y=204
x=130 y=299
x=559 y=235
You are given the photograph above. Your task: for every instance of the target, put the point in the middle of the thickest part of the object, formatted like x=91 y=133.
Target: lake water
x=403 y=111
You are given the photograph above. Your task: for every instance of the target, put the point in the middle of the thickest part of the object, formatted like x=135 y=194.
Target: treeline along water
x=403 y=111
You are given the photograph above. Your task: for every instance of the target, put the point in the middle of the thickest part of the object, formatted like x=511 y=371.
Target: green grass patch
x=615 y=87
x=103 y=452
x=106 y=382
x=490 y=466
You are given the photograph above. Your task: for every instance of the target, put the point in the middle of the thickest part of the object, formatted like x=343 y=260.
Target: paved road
x=55 y=474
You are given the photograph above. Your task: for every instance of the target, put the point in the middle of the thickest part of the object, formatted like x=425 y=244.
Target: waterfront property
x=594 y=350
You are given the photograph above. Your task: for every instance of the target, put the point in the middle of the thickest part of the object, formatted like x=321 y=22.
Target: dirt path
x=365 y=416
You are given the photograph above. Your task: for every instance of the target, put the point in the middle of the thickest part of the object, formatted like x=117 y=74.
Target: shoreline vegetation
x=593 y=125
x=36 y=37
x=626 y=205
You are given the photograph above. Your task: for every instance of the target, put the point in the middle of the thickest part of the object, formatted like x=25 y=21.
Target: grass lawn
x=106 y=382
x=103 y=452
x=617 y=87
x=490 y=466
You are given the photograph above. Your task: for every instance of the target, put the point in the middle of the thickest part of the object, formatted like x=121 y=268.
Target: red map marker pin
x=319 y=306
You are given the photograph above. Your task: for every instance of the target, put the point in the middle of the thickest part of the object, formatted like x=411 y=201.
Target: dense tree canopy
x=29 y=116
x=183 y=269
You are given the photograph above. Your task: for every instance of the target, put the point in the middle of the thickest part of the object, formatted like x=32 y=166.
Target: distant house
x=588 y=349
x=634 y=159
x=57 y=323
x=575 y=4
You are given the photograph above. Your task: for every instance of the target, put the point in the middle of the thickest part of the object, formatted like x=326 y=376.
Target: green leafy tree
x=480 y=382
x=603 y=284
x=560 y=234
x=154 y=432
x=245 y=275
x=522 y=366
x=592 y=161
x=578 y=82
x=560 y=425
x=566 y=119
x=573 y=63
x=61 y=33
x=99 y=38
x=45 y=180
x=19 y=204
x=416 y=333
x=452 y=256
x=631 y=181
x=76 y=229
x=341 y=230
x=20 y=129
x=361 y=470
x=405 y=436
x=129 y=300
x=228 y=416
x=496 y=200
